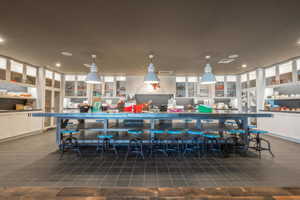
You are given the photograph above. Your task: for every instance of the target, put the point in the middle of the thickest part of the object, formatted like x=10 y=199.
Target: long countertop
x=291 y=112
x=19 y=111
x=148 y=115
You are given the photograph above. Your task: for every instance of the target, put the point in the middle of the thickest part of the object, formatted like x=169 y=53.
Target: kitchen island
x=103 y=118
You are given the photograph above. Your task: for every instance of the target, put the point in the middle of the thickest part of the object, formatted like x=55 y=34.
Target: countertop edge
x=290 y=112
x=20 y=111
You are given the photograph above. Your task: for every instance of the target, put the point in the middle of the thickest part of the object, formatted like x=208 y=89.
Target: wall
x=136 y=85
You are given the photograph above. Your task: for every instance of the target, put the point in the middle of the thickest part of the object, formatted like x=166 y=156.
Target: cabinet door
x=48 y=107
x=56 y=107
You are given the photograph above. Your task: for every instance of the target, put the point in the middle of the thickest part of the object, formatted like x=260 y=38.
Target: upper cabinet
x=220 y=86
x=3 y=68
x=191 y=86
x=31 y=75
x=16 y=71
x=270 y=75
x=286 y=72
x=231 y=86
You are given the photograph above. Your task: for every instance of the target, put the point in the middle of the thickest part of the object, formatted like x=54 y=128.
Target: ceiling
x=123 y=32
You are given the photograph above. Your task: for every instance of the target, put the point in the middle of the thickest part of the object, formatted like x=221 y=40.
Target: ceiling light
x=207 y=57
x=57 y=64
x=208 y=77
x=226 y=60
x=151 y=76
x=1 y=40
x=65 y=53
x=93 y=76
x=233 y=56
x=244 y=65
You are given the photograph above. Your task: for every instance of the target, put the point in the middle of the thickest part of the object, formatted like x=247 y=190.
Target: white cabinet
x=17 y=123
x=284 y=125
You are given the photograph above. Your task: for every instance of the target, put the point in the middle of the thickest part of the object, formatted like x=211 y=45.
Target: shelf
x=14 y=97
x=288 y=98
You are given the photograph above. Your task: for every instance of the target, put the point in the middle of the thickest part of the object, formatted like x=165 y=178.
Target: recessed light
x=57 y=64
x=233 y=56
x=244 y=65
x=1 y=40
x=207 y=57
x=226 y=60
x=65 y=53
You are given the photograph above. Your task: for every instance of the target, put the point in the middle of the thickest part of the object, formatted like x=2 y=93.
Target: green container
x=204 y=109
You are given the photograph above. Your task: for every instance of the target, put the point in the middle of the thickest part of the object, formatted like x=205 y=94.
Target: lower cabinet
x=14 y=124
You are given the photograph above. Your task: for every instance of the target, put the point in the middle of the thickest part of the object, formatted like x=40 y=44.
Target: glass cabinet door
x=97 y=90
x=70 y=88
x=109 y=89
x=81 y=89
x=3 y=67
x=48 y=106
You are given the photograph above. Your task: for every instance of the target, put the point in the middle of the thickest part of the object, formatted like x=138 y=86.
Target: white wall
x=136 y=85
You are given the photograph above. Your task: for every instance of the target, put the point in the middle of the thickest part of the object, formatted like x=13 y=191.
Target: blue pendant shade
x=151 y=76
x=208 y=77
x=93 y=76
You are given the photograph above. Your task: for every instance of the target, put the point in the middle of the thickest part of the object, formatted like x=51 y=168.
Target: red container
x=128 y=109
x=138 y=108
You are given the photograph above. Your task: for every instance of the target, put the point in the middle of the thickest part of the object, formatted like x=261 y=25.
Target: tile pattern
x=221 y=193
x=34 y=161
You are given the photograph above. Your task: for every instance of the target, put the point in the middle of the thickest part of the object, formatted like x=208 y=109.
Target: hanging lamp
x=208 y=77
x=93 y=77
x=151 y=77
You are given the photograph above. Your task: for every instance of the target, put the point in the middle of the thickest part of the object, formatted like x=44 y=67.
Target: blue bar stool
x=174 y=141
x=194 y=145
x=69 y=142
x=234 y=139
x=211 y=143
x=257 y=140
x=107 y=144
x=135 y=144
x=157 y=142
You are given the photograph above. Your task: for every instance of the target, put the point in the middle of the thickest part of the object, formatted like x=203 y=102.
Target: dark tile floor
x=139 y=193
x=34 y=161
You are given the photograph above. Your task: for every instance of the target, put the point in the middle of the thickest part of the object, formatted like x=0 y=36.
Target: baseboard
x=285 y=137
x=21 y=136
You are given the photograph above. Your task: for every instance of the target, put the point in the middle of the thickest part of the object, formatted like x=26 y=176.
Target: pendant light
x=151 y=76
x=208 y=77
x=93 y=76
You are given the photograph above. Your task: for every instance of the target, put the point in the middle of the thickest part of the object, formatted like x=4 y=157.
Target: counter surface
x=161 y=115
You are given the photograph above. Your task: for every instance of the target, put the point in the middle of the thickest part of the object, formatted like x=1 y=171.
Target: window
x=31 y=73
x=81 y=77
x=57 y=80
x=70 y=77
x=244 y=81
x=3 y=66
x=180 y=86
x=252 y=79
x=270 y=74
x=121 y=78
x=231 y=86
x=109 y=79
x=16 y=69
x=219 y=86
x=49 y=78
x=285 y=72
